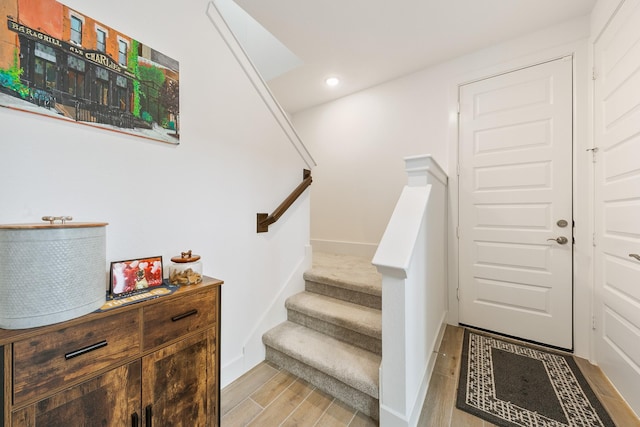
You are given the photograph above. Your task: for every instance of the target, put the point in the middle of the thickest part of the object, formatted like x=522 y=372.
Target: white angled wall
x=233 y=161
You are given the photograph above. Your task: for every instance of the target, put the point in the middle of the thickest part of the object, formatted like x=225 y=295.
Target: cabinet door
x=176 y=388
x=110 y=400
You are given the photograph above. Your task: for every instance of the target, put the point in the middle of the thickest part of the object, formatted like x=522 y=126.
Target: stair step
x=345 y=321
x=350 y=278
x=343 y=370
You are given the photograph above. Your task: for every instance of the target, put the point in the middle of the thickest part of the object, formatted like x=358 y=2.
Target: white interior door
x=515 y=178
x=617 y=201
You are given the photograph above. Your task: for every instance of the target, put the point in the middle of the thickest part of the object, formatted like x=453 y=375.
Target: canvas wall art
x=59 y=63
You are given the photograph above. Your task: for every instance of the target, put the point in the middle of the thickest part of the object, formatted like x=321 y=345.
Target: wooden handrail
x=265 y=220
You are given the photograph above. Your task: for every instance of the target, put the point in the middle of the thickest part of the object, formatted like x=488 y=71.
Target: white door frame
x=582 y=185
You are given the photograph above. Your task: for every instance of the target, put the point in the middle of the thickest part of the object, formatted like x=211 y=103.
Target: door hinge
x=457 y=232
x=593 y=239
x=458 y=294
x=594 y=74
x=593 y=322
x=458 y=107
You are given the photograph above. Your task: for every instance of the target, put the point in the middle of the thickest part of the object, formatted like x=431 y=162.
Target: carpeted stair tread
x=351 y=365
x=358 y=318
x=344 y=271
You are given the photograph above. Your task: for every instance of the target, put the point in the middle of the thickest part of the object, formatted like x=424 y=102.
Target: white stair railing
x=412 y=260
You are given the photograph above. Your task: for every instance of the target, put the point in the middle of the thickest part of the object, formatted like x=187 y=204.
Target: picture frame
x=135 y=276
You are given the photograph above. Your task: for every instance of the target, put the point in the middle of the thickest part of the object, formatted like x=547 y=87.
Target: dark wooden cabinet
x=152 y=363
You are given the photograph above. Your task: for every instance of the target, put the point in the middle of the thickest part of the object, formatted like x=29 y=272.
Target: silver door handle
x=560 y=240
x=636 y=256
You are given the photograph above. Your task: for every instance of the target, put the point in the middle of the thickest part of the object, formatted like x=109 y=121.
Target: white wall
x=232 y=162
x=359 y=142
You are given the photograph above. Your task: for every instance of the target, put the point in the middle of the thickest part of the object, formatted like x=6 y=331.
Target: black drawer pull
x=134 y=420
x=84 y=350
x=183 y=315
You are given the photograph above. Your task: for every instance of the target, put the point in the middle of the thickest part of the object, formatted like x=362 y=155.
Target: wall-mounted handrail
x=265 y=220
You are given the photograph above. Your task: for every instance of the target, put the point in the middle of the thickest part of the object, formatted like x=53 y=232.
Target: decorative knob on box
x=53 y=219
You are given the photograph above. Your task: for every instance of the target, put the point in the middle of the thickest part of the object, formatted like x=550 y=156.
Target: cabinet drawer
x=52 y=360
x=171 y=319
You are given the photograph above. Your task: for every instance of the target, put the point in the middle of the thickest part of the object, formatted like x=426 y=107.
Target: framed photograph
x=60 y=63
x=135 y=276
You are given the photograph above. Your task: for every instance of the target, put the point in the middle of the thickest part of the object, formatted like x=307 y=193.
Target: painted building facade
x=83 y=68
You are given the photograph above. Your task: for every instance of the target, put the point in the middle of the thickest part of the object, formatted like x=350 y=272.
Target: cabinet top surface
x=10 y=335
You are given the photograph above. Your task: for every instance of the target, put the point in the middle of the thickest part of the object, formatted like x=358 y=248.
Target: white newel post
x=412 y=260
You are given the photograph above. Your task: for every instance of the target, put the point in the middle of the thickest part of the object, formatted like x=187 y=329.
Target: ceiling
x=367 y=42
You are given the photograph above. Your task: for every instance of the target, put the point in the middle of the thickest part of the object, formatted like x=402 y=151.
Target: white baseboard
x=365 y=250
x=231 y=371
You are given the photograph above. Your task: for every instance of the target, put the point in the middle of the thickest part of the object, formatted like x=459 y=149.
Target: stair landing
x=348 y=272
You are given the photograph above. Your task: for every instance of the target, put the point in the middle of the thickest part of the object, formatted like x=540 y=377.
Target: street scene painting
x=57 y=62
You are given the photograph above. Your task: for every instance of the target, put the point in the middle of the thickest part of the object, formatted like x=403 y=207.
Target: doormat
x=511 y=384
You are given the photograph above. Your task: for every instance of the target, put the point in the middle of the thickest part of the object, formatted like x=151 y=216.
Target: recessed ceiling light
x=332 y=81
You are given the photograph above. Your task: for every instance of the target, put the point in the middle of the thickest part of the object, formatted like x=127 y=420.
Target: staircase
x=333 y=335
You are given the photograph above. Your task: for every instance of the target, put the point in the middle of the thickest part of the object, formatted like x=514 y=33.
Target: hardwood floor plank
x=285 y=403
x=437 y=407
x=361 y=420
x=337 y=414
x=618 y=410
x=463 y=419
x=273 y=388
x=241 y=388
x=596 y=378
x=310 y=410
x=450 y=348
x=242 y=414
x=448 y=361
x=620 y=413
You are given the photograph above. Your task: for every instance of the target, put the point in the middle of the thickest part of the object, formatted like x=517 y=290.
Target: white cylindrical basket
x=50 y=273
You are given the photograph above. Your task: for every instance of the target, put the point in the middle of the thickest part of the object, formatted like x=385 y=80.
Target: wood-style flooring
x=267 y=396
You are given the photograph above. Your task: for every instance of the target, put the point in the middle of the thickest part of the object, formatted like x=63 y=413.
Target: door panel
x=176 y=390
x=515 y=184
x=109 y=400
x=617 y=201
